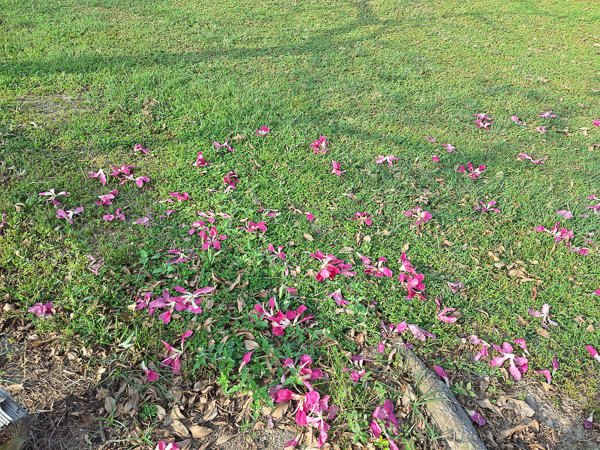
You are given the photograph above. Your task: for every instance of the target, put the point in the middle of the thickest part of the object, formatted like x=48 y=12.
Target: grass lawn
x=82 y=82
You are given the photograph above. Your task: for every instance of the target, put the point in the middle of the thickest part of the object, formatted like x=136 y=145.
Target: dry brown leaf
x=346 y=250
x=308 y=237
x=447 y=242
x=109 y=404
x=199 y=432
x=280 y=411
x=250 y=345
x=521 y=321
x=485 y=403
x=504 y=434
x=179 y=429
x=543 y=333
x=211 y=411
x=241 y=304
x=183 y=445
x=590 y=328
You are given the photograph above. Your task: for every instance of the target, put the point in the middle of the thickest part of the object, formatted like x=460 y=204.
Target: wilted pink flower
x=544 y=314
x=481 y=116
x=475 y=417
x=413 y=285
x=442 y=315
x=162 y=445
x=516 y=120
x=320 y=145
x=565 y=214
x=62 y=214
x=420 y=333
x=278 y=253
x=530 y=158
x=331 y=266
x=579 y=250
x=430 y=139
x=547 y=115
x=589 y=422
x=100 y=174
x=212 y=239
x=388 y=159
x=443 y=375
x=473 y=339
x=521 y=343
x=596 y=122
x=106 y=199
x=41 y=310
x=455 y=288
x=252 y=227
x=181 y=255
x=139 y=181
x=593 y=353
x=138 y=148
x=378 y=270
x=143 y=221
x=180 y=197
x=52 y=196
x=557 y=233
x=95 y=266
x=435 y=158
x=339 y=299
x=152 y=376
x=596 y=208
x=384 y=422
x=245 y=360
x=484 y=125
x=545 y=373
x=486 y=207
x=597 y=292
x=474 y=173
x=200 y=161
x=262 y=131
x=541 y=129
x=362 y=218
x=122 y=170
x=420 y=214
x=231 y=180
x=309 y=216
x=518 y=364
x=291 y=318
x=173 y=359
x=224 y=144
x=336 y=168
x=450 y=148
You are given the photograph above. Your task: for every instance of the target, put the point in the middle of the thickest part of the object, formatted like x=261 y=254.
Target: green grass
x=375 y=77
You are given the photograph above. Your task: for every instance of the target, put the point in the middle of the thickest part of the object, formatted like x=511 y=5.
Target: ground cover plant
x=225 y=188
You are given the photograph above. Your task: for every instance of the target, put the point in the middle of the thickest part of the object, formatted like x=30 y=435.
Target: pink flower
x=481 y=116
x=245 y=360
x=182 y=256
x=339 y=299
x=122 y=170
x=100 y=174
x=450 y=148
x=320 y=145
x=378 y=271
x=200 y=161
x=262 y=131
x=42 y=310
x=142 y=221
x=138 y=147
x=545 y=373
x=541 y=129
x=331 y=266
x=224 y=144
x=596 y=122
x=474 y=173
x=430 y=139
x=388 y=159
x=384 y=422
x=52 y=196
x=162 y=445
x=518 y=365
x=95 y=266
x=152 y=376
x=173 y=359
x=475 y=417
x=180 y=197
x=278 y=253
x=589 y=422
x=547 y=115
x=309 y=216
x=253 y=227
x=486 y=207
x=565 y=214
x=420 y=214
x=530 y=158
x=419 y=333
x=597 y=292
x=336 y=168
x=484 y=125
x=231 y=180
x=106 y=198
x=596 y=208
x=455 y=288
x=516 y=120
x=413 y=285
x=593 y=353
x=544 y=314
x=557 y=233
x=362 y=218
x=442 y=315
x=443 y=375
x=435 y=158
x=62 y=214
x=212 y=239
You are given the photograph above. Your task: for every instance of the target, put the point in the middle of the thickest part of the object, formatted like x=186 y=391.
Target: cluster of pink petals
x=200 y=161
x=188 y=301
x=546 y=373
x=530 y=158
x=125 y=174
x=254 y=227
x=517 y=364
x=473 y=173
x=142 y=221
x=224 y=144
x=435 y=158
x=541 y=129
x=378 y=270
x=362 y=218
x=180 y=197
x=162 y=445
x=279 y=320
x=411 y=280
x=559 y=234
x=150 y=374
x=544 y=314
x=51 y=194
x=138 y=148
x=443 y=314
x=278 y=253
x=336 y=168
x=106 y=199
x=516 y=120
x=69 y=214
x=430 y=139
x=486 y=207
x=481 y=121
x=231 y=180
x=173 y=359
x=388 y=159
x=338 y=298
x=331 y=266
x=262 y=131
x=42 y=310
x=95 y=265
x=212 y=239
x=385 y=422
x=547 y=115
x=473 y=339
x=579 y=250
x=320 y=145
x=356 y=375
x=181 y=256
x=100 y=174
x=210 y=216
x=450 y=148
x=420 y=214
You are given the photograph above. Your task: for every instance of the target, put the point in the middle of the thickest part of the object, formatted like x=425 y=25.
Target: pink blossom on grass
x=589 y=422
x=420 y=214
x=262 y=131
x=162 y=445
x=212 y=239
x=596 y=122
x=100 y=175
x=138 y=148
x=565 y=214
x=455 y=288
x=547 y=115
x=320 y=145
x=173 y=359
x=385 y=422
x=310 y=217
x=150 y=374
x=516 y=120
x=254 y=227
x=450 y=148
x=475 y=417
x=521 y=343
x=143 y=221
x=180 y=197
x=51 y=194
x=435 y=158
x=482 y=124
x=597 y=292
x=180 y=255
x=106 y=199
x=378 y=270
x=481 y=116
x=544 y=314
x=420 y=333
x=541 y=130
x=443 y=314
x=595 y=208
x=559 y=234
x=117 y=215
x=486 y=207
x=338 y=298
x=245 y=360
x=95 y=266
x=545 y=373
x=200 y=161
x=122 y=170
x=430 y=139
x=41 y=310
x=336 y=168
x=443 y=375
x=386 y=159
x=224 y=144
x=473 y=173
x=231 y=180
x=362 y=218
x=518 y=364
x=62 y=214
x=331 y=266
x=530 y=158
x=278 y=253
x=593 y=353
